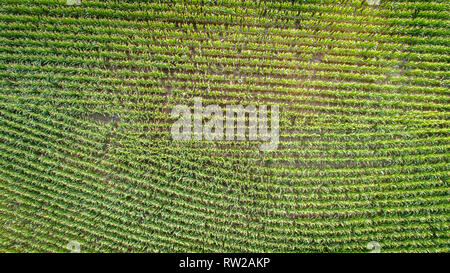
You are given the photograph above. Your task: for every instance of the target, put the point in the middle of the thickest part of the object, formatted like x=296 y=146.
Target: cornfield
x=86 y=154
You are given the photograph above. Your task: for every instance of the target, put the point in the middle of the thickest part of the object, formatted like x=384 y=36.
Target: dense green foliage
x=86 y=153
